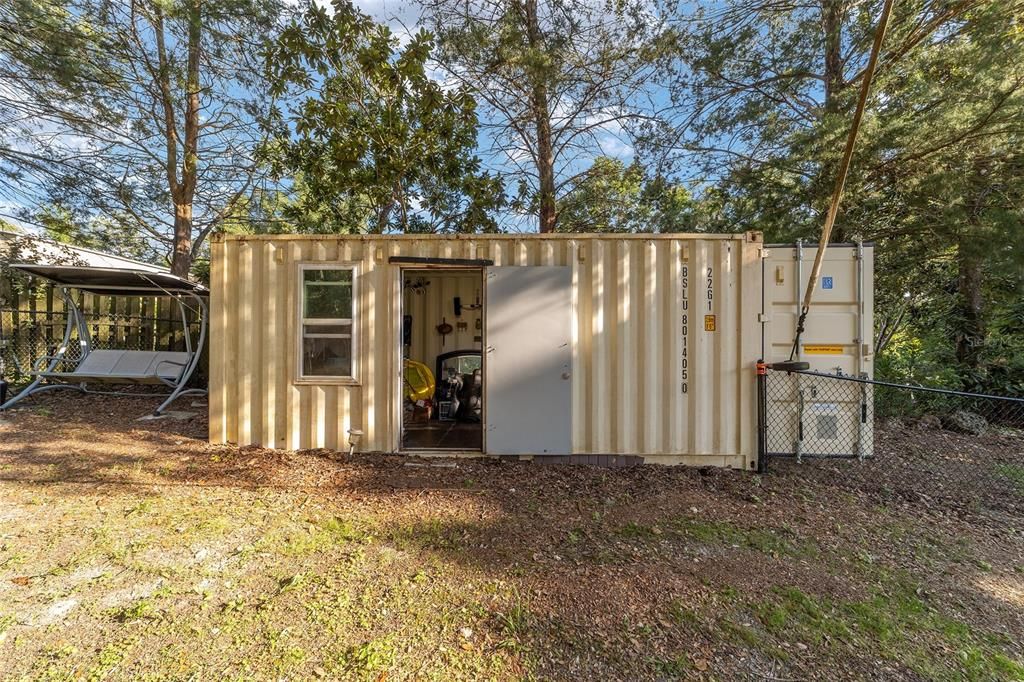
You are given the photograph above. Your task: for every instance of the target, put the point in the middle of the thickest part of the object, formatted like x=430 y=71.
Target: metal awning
x=113 y=281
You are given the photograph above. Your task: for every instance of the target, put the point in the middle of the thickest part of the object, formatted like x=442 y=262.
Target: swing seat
x=124 y=367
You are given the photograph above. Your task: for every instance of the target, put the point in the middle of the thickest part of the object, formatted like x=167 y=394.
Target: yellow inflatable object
x=419 y=381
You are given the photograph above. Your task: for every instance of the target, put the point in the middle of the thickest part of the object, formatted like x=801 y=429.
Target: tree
x=554 y=76
x=143 y=115
x=763 y=102
x=370 y=141
x=614 y=197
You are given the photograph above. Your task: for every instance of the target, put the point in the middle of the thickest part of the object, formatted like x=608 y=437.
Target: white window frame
x=301 y=322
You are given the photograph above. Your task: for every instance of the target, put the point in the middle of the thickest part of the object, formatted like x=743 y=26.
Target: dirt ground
x=135 y=550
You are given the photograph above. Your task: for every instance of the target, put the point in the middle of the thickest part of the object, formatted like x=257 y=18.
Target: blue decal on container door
x=826 y=282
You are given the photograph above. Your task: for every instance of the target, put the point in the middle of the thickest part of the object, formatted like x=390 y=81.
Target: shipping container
x=838 y=339
x=588 y=348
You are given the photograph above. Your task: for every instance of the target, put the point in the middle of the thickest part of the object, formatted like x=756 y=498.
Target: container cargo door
x=528 y=365
x=837 y=340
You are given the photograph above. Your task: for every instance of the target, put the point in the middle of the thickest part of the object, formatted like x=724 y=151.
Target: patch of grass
x=14 y=560
x=751 y=637
x=141 y=609
x=636 y=531
x=677 y=667
x=774 y=542
x=434 y=534
x=321 y=536
x=1013 y=473
x=514 y=623
x=374 y=656
x=5 y=623
x=681 y=614
x=108 y=659
x=290 y=583
x=896 y=623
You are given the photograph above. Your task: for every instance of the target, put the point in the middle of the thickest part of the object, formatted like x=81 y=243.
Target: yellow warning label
x=824 y=350
x=709 y=323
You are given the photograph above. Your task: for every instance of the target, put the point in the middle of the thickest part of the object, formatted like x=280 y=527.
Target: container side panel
x=677 y=347
x=270 y=344
x=233 y=343
x=728 y=342
x=246 y=363
x=601 y=329
x=750 y=348
x=579 y=370
x=624 y=375
x=652 y=370
x=220 y=328
x=701 y=358
x=649 y=371
x=293 y=397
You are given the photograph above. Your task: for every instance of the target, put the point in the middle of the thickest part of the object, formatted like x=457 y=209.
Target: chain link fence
x=916 y=443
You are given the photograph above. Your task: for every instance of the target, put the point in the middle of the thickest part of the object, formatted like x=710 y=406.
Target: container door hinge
x=763 y=317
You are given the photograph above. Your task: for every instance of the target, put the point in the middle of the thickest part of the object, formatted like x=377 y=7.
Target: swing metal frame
x=172 y=369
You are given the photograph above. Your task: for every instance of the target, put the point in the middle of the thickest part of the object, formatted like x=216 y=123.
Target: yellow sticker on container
x=709 y=323
x=824 y=350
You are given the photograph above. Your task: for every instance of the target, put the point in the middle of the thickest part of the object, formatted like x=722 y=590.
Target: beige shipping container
x=838 y=339
x=661 y=335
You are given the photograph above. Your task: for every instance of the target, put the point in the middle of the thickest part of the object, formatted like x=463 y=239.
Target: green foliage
x=557 y=80
x=373 y=143
x=370 y=657
x=614 y=197
x=764 y=96
x=132 y=125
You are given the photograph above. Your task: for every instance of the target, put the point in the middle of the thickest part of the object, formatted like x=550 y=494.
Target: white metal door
x=528 y=380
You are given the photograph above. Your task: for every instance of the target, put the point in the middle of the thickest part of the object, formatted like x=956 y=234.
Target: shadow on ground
x=478 y=568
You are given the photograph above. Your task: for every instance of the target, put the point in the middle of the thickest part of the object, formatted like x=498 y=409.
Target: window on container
x=327 y=322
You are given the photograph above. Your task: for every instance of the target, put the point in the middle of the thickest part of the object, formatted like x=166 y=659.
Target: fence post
x=762 y=417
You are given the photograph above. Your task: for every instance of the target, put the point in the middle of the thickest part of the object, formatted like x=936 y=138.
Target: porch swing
x=68 y=369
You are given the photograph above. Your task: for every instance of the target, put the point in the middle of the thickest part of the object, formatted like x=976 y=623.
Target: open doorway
x=442 y=350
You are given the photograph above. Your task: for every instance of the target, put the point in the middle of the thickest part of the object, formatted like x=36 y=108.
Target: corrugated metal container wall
x=665 y=336
x=838 y=338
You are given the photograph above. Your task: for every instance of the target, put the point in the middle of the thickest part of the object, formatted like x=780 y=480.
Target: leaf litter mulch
x=137 y=550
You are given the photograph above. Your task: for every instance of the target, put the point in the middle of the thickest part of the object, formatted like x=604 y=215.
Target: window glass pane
x=328 y=276
x=327 y=357
x=327 y=294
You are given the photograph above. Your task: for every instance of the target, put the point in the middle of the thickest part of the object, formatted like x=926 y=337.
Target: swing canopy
x=113 y=281
x=172 y=369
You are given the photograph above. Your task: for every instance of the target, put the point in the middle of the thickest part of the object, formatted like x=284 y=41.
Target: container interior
x=442 y=352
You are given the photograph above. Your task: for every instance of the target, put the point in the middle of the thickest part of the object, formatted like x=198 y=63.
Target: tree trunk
x=832 y=29
x=832 y=12
x=184 y=250
x=542 y=120
x=970 y=337
x=181 y=258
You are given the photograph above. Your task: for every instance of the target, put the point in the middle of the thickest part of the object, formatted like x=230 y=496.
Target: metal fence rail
x=913 y=442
